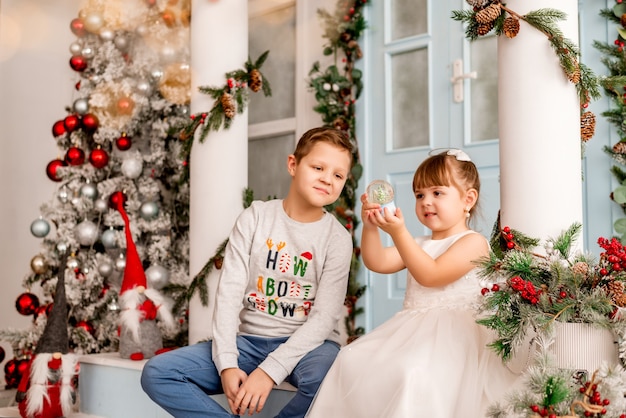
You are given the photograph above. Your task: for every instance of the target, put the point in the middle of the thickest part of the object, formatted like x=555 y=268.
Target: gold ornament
x=38 y=264
x=175 y=85
x=117 y=14
x=104 y=102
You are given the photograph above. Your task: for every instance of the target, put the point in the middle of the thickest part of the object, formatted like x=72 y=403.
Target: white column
x=218 y=167
x=539 y=119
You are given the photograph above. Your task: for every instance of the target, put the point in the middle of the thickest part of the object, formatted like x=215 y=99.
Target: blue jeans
x=180 y=381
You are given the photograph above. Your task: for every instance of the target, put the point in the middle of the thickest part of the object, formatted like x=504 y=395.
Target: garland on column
x=488 y=15
x=230 y=99
x=615 y=88
x=336 y=91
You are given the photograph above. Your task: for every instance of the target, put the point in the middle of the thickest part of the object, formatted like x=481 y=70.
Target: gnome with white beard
x=140 y=335
x=47 y=388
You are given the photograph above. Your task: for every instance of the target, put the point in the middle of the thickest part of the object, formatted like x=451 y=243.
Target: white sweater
x=280 y=278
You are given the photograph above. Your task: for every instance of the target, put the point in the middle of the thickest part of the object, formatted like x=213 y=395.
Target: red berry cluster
x=525 y=288
x=542 y=411
x=508 y=237
x=613 y=259
x=494 y=288
x=596 y=403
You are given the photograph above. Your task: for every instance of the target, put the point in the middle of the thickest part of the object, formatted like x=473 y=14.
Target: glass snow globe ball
x=381 y=192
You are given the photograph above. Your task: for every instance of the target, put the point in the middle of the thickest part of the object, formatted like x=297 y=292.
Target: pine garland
x=613 y=85
x=337 y=91
x=229 y=100
x=493 y=15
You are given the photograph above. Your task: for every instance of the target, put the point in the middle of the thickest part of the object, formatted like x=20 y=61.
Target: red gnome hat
x=134 y=274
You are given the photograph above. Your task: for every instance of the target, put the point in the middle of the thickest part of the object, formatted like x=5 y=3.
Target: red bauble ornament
x=71 y=123
x=86 y=326
x=123 y=143
x=51 y=169
x=78 y=63
x=27 y=303
x=58 y=128
x=99 y=158
x=78 y=27
x=117 y=198
x=90 y=122
x=2 y=354
x=75 y=156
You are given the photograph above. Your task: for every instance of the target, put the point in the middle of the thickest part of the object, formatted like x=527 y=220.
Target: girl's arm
x=375 y=256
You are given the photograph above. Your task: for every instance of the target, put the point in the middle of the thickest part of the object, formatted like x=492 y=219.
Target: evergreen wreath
x=492 y=15
x=336 y=91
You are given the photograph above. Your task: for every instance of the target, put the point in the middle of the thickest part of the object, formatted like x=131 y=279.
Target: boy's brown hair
x=322 y=134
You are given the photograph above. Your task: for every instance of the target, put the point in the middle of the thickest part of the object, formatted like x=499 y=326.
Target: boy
x=279 y=298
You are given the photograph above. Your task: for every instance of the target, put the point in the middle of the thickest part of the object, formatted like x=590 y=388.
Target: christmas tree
x=118 y=141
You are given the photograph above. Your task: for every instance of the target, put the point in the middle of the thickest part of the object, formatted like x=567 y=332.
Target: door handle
x=457 y=79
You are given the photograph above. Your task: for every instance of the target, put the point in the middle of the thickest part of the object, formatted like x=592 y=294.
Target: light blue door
x=415 y=49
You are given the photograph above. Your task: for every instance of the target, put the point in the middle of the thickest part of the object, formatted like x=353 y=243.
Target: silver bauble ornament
x=75 y=48
x=40 y=228
x=120 y=263
x=105 y=269
x=38 y=264
x=106 y=34
x=143 y=87
x=61 y=247
x=100 y=205
x=157 y=276
x=86 y=233
x=87 y=52
x=89 y=190
x=156 y=74
x=72 y=263
x=63 y=194
x=149 y=210
x=113 y=306
x=81 y=106
x=132 y=167
x=121 y=42
x=108 y=239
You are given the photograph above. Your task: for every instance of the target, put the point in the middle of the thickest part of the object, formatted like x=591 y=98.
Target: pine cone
x=622 y=20
x=619 y=148
x=484 y=28
x=615 y=287
x=580 y=268
x=228 y=104
x=488 y=14
x=587 y=126
x=510 y=27
x=255 y=80
x=574 y=76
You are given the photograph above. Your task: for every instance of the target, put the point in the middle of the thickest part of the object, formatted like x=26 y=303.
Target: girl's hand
x=368 y=210
x=388 y=222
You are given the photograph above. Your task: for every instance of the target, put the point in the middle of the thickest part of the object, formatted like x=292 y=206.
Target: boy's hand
x=253 y=393
x=232 y=379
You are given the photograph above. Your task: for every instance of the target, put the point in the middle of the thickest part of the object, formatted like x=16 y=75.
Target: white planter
x=583 y=346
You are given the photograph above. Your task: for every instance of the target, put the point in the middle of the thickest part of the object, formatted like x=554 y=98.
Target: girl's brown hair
x=446 y=170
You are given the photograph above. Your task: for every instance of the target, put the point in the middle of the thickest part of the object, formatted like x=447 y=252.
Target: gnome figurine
x=47 y=388
x=140 y=335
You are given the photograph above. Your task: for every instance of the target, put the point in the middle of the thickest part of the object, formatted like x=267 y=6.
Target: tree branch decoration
x=230 y=99
x=488 y=15
x=337 y=91
x=614 y=85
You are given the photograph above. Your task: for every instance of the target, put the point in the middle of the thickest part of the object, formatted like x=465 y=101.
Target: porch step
x=109 y=387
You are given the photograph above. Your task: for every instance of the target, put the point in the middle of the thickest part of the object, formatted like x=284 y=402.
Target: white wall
x=36 y=84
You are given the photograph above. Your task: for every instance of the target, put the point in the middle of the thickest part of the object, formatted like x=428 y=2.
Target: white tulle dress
x=429 y=360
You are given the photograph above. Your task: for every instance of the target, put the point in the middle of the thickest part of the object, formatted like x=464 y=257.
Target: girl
x=430 y=359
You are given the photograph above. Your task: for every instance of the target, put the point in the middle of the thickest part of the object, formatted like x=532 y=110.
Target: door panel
x=412 y=110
